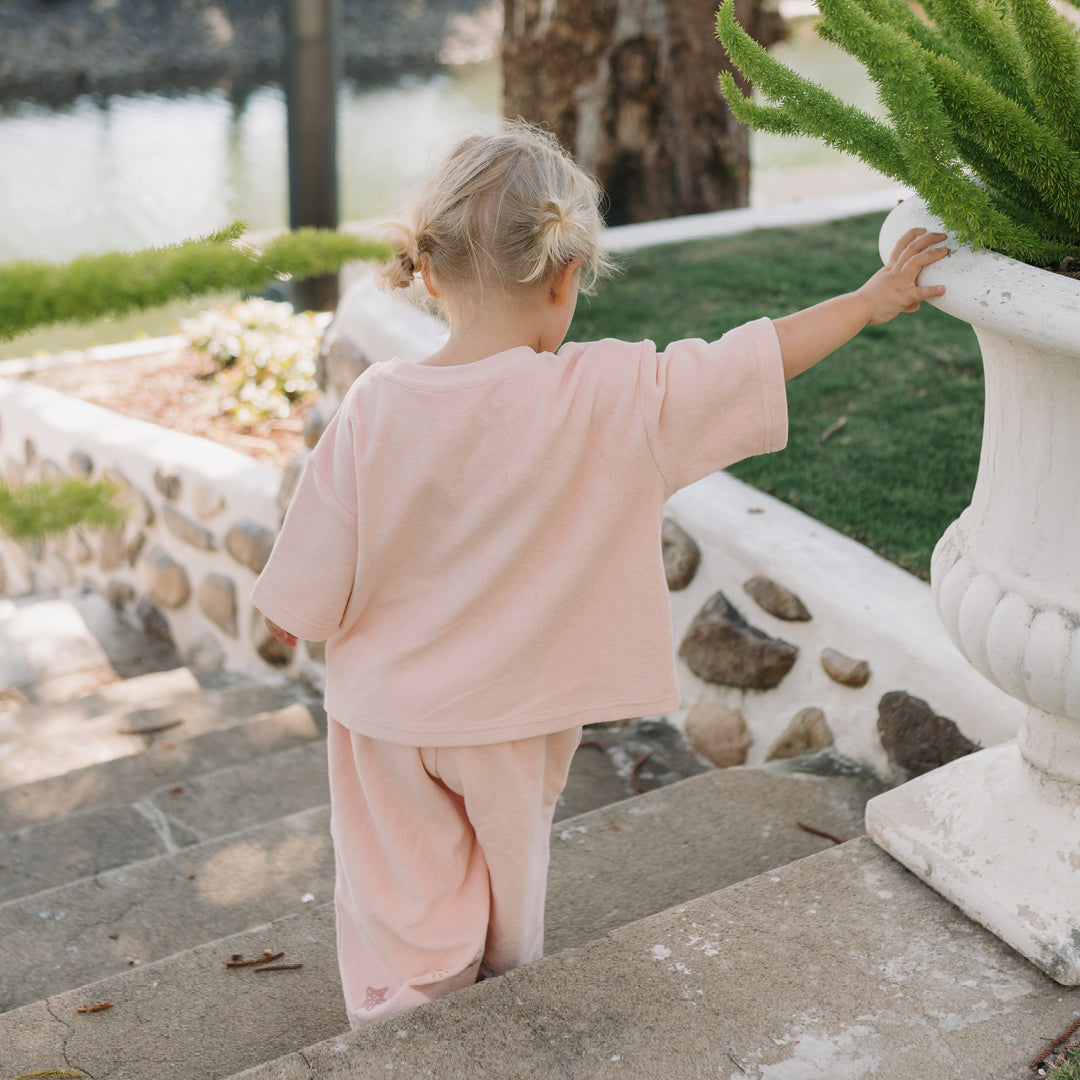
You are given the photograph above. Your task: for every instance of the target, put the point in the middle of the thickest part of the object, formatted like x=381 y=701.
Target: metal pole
x=313 y=67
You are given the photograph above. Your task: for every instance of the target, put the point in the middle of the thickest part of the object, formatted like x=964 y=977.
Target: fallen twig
x=266 y=958
x=101 y=1007
x=150 y=729
x=1050 y=1047
x=280 y=967
x=833 y=428
x=819 y=832
x=51 y=1074
x=638 y=786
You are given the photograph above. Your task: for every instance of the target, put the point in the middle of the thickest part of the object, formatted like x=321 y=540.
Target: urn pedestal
x=998 y=832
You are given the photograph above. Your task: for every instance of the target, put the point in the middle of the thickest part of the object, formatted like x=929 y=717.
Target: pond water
x=130 y=171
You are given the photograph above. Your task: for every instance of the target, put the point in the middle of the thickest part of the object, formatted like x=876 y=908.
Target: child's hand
x=282 y=635
x=892 y=289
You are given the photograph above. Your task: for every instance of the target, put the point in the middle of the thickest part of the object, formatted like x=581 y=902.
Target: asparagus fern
x=983 y=103
x=37 y=293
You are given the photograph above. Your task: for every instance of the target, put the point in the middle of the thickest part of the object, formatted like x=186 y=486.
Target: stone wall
x=202 y=521
x=789 y=637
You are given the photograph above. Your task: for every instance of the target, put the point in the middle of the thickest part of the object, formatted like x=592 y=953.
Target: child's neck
x=494 y=330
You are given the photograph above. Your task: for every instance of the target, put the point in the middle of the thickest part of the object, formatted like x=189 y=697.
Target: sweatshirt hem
x=499 y=732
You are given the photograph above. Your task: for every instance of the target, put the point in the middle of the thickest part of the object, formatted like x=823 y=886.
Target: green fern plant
x=37 y=293
x=983 y=104
x=51 y=507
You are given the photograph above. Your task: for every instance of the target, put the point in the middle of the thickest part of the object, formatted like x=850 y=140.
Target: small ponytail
x=400 y=272
x=556 y=232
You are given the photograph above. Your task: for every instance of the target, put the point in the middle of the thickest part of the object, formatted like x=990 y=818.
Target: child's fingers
x=281 y=634
x=915 y=243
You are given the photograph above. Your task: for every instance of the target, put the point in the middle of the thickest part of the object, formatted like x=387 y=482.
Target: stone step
x=622 y=862
x=167 y=819
x=52 y=648
x=43 y=740
x=136 y=914
x=650 y=849
x=608 y=867
x=841 y=965
x=124 y=780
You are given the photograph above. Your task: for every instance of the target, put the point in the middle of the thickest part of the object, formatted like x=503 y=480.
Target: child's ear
x=562 y=281
x=425 y=274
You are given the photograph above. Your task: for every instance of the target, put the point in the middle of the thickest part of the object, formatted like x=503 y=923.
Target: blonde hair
x=504 y=210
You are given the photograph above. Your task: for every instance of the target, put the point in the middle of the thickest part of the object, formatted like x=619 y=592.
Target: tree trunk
x=630 y=88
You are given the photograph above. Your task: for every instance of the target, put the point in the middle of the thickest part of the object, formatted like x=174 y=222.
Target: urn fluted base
x=1001 y=840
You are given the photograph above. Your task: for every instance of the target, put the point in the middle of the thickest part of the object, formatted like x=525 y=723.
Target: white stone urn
x=998 y=832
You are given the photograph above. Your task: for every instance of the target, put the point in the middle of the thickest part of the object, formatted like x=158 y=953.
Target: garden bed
x=176 y=389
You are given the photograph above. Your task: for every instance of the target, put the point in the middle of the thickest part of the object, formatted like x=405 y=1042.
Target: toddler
x=477 y=538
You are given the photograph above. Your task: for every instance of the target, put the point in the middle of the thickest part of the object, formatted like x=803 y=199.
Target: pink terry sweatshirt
x=480 y=545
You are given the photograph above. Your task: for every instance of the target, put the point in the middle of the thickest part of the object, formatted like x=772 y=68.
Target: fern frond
x=36 y=294
x=1052 y=48
x=52 y=507
x=989 y=43
x=807 y=108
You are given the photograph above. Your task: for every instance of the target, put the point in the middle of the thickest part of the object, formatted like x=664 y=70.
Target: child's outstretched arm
x=810 y=335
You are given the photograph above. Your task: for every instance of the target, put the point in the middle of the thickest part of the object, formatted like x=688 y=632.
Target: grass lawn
x=909 y=393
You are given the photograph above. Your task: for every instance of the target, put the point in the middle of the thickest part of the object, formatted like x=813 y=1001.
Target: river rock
x=80 y=463
x=681 y=555
x=776 y=600
x=217 y=601
x=183 y=528
x=720 y=646
x=205 y=653
x=845 y=669
x=718 y=733
x=206 y=501
x=915 y=738
x=168 y=484
x=249 y=544
x=166 y=580
x=807 y=733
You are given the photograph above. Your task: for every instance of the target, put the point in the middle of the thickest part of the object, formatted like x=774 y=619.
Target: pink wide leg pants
x=442 y=859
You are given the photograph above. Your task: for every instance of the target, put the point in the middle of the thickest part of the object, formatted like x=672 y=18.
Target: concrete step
x=124 y=780
x=167 y=819
x=842 y=965
x=634 y=858
x=52 y=648
x=608 y=867
x=650 y=849
x=103 y=925
x=122 y=718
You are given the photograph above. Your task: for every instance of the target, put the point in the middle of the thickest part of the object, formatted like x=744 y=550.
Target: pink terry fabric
x=442 y=859
x=480 y=544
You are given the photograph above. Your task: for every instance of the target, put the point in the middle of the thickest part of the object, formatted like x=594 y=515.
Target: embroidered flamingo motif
x=375 y=996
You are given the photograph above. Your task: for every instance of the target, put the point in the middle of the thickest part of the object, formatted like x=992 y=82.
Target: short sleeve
x=307 y=581
x=707 y=405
